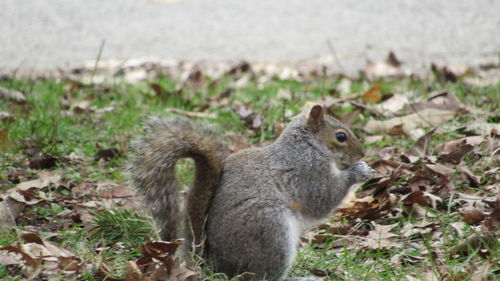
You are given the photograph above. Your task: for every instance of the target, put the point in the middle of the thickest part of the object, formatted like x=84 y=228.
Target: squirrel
x=248 y=208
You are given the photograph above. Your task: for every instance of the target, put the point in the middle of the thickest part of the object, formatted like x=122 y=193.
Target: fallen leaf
x=453 y=145
x=15 y=95
x=122 y=191
x=193 y=77
x=392 y=105
x=84 y=188
x=389 y=68
x=4 y=138
x=249 y=116
x=134 y=273
x=373 y=95
x=422 y=145
x=107 y=154
x=440 y=169
x=15 y=199
x=424 y=118
x=45 y=161
x=19 y=255
x=472 y=216
x=393 y=60
x=481 y=273
x=239 y=68
x=5 y=116
x=442 y=100
x=484 y=128
x=443 y=74
x=381 y=238
x=364 y=208
x=10 y=209
x=238 y=142
x=473 y=180
x=420 y=228
x=456 y=155
x=396 y=130
x=416 y=197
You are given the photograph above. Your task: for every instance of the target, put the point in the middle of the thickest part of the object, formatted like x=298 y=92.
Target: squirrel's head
x=345 y=146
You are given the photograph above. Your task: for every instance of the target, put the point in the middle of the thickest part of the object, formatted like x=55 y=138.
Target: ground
x=431 y=212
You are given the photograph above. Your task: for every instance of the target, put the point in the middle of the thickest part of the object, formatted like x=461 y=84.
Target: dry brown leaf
x=19 y=255
x=473 y=180
x=84 y=188
x=393 y=60
x=424 y=118
x=481 y=272
x=5 y=116
x=15 y=199
x=387 y=153
x=44 y=180
x=416 y=197
x=248 y=115
x=10 y=209
x=392 y=105
x=365 y=208
x=421 y=198
x=381 y=238
x=45 y=259
x=122 y=191
x=134 y=273
x=430 y=275
x=453 y=145
x=422 y=145
x=484 y=128
x=441 y=100
x=238 y=142
x=373 y=139
x=396 y=130
x=422 y=227
x=45 y=161
x=4 y=139
x=382 y=69
x=420 y=181
x=455 y=157
x=472 y=216
x=373 y=95
x=107 y=154
x=15 y=95
x=440 y=169
x=193 y=77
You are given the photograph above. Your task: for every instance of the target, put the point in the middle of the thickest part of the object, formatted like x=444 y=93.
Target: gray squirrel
x=248 y=208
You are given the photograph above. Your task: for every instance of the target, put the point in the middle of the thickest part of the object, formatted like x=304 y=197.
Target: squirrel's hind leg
x=262 y=247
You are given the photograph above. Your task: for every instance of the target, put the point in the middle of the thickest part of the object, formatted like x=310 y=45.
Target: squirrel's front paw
x=360 y=171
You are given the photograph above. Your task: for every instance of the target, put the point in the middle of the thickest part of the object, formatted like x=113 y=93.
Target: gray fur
x=261 y=186
x=265 y=197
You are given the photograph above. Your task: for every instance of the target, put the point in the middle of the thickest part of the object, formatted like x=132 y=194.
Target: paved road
x=49 y=33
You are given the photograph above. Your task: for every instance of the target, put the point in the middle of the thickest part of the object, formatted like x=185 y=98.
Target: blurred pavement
x=43 y=34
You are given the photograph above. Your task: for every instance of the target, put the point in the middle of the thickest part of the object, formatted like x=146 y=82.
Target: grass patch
x=75 y=123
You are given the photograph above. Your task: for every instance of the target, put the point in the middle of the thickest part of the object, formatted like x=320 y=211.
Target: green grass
x=47 y=124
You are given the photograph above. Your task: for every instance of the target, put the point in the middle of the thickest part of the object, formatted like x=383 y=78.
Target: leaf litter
x=398 y=210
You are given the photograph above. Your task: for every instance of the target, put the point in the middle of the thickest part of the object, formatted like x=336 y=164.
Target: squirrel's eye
x=341 y=137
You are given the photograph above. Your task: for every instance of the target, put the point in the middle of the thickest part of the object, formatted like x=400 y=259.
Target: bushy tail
x=153 y=172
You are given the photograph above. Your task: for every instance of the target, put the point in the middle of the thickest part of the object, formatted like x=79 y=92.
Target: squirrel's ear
x=315 y=117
